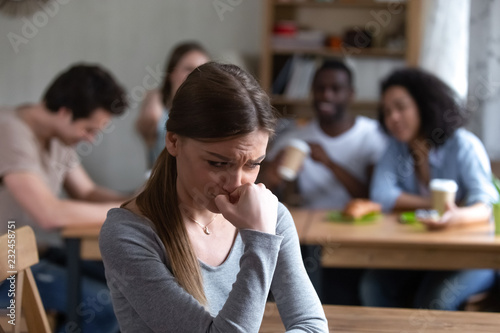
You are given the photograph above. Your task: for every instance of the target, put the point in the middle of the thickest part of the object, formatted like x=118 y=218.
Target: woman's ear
x=172 y=142
x=65 y=113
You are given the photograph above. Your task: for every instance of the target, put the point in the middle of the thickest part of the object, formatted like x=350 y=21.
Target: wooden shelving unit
x=302 y=108
x=347 y=51
x=334 y=3
x=316 y=15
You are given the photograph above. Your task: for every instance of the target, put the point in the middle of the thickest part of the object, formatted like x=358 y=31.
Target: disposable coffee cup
x=443 y=191
x=293 y=158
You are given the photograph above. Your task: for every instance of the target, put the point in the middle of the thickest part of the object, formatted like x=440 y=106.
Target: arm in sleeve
x=385 y=188
x=379 y=146
x=298 y=304
x=475 y=172
x=18 y=154
x=132 y=257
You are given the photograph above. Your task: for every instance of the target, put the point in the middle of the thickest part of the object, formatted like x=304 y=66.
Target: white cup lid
x=287 y=173
x=300 y=145
x=445 y=185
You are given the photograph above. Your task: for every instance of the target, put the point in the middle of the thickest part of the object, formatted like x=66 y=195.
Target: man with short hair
x=344 y=150
x=38 y=160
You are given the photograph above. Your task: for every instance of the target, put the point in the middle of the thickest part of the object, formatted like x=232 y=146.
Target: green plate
x=337 y=216
x=408 y=218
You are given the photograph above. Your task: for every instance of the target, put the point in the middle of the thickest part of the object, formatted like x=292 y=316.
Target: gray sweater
x=147 y=298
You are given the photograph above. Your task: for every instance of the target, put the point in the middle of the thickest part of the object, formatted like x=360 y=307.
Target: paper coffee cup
x=443 y=191
x=293 y=157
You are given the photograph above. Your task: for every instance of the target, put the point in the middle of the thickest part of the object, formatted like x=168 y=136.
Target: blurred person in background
x=344 y=150
x=424 y=119
x=39 y=160
x=344 y=147
x=154 y=110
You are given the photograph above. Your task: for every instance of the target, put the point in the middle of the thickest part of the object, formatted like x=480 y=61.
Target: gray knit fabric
x=147 y=298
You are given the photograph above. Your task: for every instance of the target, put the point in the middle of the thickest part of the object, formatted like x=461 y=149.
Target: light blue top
x=461 y=158
x=161 y=133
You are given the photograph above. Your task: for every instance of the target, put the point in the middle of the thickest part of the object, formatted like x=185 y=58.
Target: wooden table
x=82 y=244
x=302 y=218
x=86 y=236
x=349 y=319
x=383 y=244
x=386 y=243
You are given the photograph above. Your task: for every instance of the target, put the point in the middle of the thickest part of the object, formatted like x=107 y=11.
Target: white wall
x=445 y=42
x=130 y=38
x=484 y=74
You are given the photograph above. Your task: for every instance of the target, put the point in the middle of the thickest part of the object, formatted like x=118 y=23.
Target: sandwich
x=358 y=208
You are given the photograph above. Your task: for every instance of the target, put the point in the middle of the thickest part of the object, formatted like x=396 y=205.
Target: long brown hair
x=215 y=102
x=173 y=60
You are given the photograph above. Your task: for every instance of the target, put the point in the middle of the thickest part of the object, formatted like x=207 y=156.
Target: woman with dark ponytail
x=202 y=246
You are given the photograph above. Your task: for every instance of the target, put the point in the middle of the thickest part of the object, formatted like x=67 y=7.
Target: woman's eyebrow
x=259 y=159
x=224 y=158
x=227 y=159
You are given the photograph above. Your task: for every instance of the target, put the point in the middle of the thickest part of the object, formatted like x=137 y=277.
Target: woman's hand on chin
x=250 y=206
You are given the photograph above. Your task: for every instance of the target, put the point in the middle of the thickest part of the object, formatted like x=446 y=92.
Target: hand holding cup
x=293 y=158
x=443 y=193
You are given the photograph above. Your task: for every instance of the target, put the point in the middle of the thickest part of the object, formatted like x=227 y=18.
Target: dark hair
x=177 y=54
x=335 y=64
x=84 y=88
x=215 y=102
x=440 y=111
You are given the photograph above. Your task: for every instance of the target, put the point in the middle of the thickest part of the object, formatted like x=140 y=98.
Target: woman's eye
x=218 y=164
x=254 y=165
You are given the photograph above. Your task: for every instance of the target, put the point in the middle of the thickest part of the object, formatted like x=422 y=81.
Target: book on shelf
x=279 y=83
x=301 y=76
x=304 y=39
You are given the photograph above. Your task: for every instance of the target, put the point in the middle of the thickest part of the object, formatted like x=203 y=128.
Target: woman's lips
x=398 y=131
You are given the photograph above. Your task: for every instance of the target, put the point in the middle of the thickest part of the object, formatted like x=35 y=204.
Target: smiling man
x=38 y=160
x=344 y=148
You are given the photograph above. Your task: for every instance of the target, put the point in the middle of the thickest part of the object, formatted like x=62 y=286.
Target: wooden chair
x=28 y=302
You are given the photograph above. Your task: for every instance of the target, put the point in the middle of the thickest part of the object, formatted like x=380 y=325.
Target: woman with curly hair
x=424 y=118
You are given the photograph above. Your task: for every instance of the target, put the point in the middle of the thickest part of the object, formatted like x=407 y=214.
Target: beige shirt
x=21 y=151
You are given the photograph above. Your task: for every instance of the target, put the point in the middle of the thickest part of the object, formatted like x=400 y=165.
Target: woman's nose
x=391 y=116
x=231 y=181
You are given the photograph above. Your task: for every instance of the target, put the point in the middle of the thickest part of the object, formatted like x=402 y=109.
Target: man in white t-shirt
x=344 y=148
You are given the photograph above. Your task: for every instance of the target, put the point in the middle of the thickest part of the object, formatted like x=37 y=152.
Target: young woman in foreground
x=202 y=246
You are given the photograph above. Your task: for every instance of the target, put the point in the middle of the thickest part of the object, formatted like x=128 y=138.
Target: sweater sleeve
x=298 y=304
x=132 y=254
x=475 y=172
x=385 y=188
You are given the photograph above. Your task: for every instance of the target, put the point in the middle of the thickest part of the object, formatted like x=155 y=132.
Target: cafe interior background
x=460 y=42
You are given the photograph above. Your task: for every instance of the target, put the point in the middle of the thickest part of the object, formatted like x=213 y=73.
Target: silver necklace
x=204 y=227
